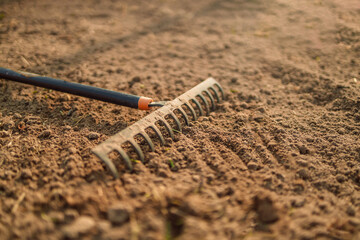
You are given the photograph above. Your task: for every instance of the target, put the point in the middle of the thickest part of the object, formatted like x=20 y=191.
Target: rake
x=198 y=101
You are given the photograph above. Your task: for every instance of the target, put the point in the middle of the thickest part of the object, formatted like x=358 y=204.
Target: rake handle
x=87 y=91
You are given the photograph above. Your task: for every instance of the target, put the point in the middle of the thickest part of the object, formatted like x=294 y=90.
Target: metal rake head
x=200 y=97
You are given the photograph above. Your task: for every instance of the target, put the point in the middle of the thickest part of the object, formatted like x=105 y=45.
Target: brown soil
x=279 y=159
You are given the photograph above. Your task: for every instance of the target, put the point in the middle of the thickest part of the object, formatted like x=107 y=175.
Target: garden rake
x=198 y=101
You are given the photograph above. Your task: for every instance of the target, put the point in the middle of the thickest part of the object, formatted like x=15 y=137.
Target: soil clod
x=118 y=214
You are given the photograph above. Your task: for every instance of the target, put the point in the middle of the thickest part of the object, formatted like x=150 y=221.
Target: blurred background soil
x=279 y=159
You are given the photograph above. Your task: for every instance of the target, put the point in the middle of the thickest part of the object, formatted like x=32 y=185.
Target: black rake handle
x=87 y=91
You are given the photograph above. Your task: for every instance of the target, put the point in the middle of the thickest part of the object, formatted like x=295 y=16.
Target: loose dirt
x=279 y=159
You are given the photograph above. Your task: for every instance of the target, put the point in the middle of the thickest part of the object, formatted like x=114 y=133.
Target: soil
x=278 y=159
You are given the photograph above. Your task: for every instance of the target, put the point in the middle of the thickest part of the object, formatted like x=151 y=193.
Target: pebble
x=252 y=165
x=302 y=163
x=244 y=105
x=57 y=217
x=72 y=150
x=196 y=178
x=234 y=80
x=162 y=173
x=134 y=80
x=181 y=149
x=261 y=109
x=264 y=207
x=303 y=174
x=104 y=225
x=350 y=211
x=298 y=202
x=70 y=214
x=118 y=214
x=45 y=134
x=298 y=188
x=93 y=135
x=205 y=119
x=4 y=134
x=81 y=225
x=26 y=173
x=303 y=149
x=227 y=191
x=17 y=116
x=258 y=118
x=67 y=128
x=8 y=125
x=340 y=178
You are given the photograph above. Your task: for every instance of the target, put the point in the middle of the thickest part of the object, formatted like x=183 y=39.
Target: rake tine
x=138 y=150
x=184 y=115
x=198 y=105
x=215 y=93
x=158 y=133
x=177 y=121
x=110 y=165
x=206 y=103
x=168 y=128
x=221 y=90
x=125 y=157
x=148 y=140
x=193 y=113
x=213 y=106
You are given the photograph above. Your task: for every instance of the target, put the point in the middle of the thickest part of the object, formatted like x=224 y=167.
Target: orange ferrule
x=143 y=103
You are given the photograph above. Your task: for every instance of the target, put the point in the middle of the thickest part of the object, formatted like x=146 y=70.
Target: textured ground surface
x=279 y=159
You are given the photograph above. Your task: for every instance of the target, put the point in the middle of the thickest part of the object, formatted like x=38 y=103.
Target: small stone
x=227 y=191
x=72 y=150
x=205 y=119
x=67 y=128
x=350 y=211
x=70 y=215
x=261 y=109
x=196 y=178
x=258 y=118
x=45 y=134
x=209 y=178
x=104 y=225
x=354 y=222
x=181 y=149
x=118 y=214
x=57 y=217
x=8 y=125
x=244 y=105
x=298 y=202
x=252 y=165
x=26 y=174
x=303 y=174
x=17 y=116
x=162 y=173
x=93 y=136
x=340 y=178
x=81 y=225
x=303 y=149
x=134 y=80
x=265 y=209
x=4 y=134
x=299 y=188
x=302 y=163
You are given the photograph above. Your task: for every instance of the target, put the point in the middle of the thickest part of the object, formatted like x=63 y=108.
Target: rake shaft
x=87 y=91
